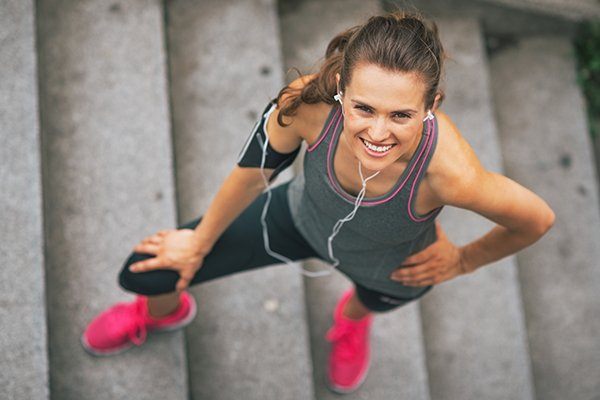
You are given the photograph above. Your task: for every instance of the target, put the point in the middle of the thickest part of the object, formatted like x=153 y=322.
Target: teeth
x=381 y=149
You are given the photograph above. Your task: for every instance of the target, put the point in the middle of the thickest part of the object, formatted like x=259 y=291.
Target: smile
x=378 y=150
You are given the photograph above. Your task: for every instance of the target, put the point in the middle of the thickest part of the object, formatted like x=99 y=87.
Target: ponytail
x=322 y=87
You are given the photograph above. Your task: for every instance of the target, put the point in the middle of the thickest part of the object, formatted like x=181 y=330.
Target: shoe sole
x=128 y=345
x=90 y=350
x=345 y=390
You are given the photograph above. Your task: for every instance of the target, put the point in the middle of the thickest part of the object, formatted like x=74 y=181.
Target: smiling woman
x=383 y=115
x=381 y=163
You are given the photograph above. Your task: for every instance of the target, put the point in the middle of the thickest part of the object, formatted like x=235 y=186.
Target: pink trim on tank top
x=314 y=146
x=392 y=195
x=412 y=189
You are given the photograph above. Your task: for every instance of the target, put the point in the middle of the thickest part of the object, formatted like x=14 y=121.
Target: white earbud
x=429 y=116
x=338 y=97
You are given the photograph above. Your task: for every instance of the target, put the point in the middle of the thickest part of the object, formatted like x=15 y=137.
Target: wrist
x=463 y=261
x=203 y=244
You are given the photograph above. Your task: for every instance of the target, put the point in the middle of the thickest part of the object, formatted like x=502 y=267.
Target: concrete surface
x=474 y=330
x=23 y=345
x=546 y=148
x=112 y=81
x=108 y=183
x=496 y=19
x=250 y=339
x=576 y=10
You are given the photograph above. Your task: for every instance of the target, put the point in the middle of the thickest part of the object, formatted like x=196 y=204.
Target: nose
x=379 y=131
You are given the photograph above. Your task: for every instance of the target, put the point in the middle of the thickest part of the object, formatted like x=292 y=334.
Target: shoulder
x=454 y=169
x=460 y=180
x=307 y=119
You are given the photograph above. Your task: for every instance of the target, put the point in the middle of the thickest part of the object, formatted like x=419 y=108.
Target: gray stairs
x=108 y=183
x=576 y=10
x=23 y=331
x=473 y=326
x=250 y=339
x=140 y=107
x=546 y=148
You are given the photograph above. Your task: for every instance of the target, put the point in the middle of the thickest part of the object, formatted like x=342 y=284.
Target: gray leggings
x=240 y=248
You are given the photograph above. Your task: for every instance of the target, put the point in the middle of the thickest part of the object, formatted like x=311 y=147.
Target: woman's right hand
x=181 y=250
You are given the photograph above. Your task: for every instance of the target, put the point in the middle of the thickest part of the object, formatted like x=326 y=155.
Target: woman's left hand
x=438 y=262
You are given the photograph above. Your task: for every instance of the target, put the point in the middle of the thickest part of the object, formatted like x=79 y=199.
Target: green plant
x=587 y=45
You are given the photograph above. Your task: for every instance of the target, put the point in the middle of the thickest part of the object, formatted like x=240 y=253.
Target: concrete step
x=108 y=183
x=575 y=10
x=398 y=362
x=546 y=148
x=497 y=18
x=24 y=361
x=250 y=339
x=474 y=329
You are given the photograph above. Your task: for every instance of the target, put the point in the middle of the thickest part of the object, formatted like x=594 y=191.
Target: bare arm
x=521 y=215
x=240 y=188
x=183 y=250
x=522 y=218
x=243 y=186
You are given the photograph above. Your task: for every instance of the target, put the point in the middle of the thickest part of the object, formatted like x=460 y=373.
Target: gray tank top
x=385 y=229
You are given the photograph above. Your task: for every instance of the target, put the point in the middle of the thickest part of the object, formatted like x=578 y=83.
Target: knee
x=148 y=283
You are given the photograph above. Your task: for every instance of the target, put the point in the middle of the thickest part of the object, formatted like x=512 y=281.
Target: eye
x=401 y=115
x=363 y=108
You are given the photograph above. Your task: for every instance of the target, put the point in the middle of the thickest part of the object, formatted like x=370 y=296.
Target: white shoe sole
x=345 y=390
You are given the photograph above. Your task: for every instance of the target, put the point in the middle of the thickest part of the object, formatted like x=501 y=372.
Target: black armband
x=252 y=152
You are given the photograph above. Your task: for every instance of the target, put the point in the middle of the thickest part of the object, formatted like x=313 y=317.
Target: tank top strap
x=423 y=162
x=331 y=122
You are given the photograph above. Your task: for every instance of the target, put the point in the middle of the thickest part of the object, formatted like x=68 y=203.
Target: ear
x=337 y=81
x=436 y=102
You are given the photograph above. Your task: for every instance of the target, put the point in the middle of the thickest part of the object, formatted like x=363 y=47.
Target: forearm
x=498 y=243
x=233 y=197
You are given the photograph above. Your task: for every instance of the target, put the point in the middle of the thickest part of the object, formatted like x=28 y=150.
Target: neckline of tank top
x=422 y=149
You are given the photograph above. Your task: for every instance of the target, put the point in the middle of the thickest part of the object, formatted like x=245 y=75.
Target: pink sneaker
x=125 y=324
x=349 y=358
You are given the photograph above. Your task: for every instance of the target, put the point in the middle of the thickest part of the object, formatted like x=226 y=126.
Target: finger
x=148 y=248
x=415 y=273
x=418 y=283
x=438 y=230
x=418 y=258
x=425 y=274
x=155 y=239
x=182 y=283
x=411 y=272
x=149 y=264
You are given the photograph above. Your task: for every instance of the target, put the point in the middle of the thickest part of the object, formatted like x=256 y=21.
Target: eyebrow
x=408 y=110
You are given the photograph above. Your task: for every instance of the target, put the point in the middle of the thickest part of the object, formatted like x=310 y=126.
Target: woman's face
x=384 y=109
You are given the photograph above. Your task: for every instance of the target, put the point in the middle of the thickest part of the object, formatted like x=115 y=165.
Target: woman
x=381 y=163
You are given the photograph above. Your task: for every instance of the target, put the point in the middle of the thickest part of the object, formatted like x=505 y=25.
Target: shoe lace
x=133 y=316
x=347 y=340
x=139 y=323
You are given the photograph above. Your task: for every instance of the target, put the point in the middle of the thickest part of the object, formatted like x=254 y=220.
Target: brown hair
x=401 y=41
